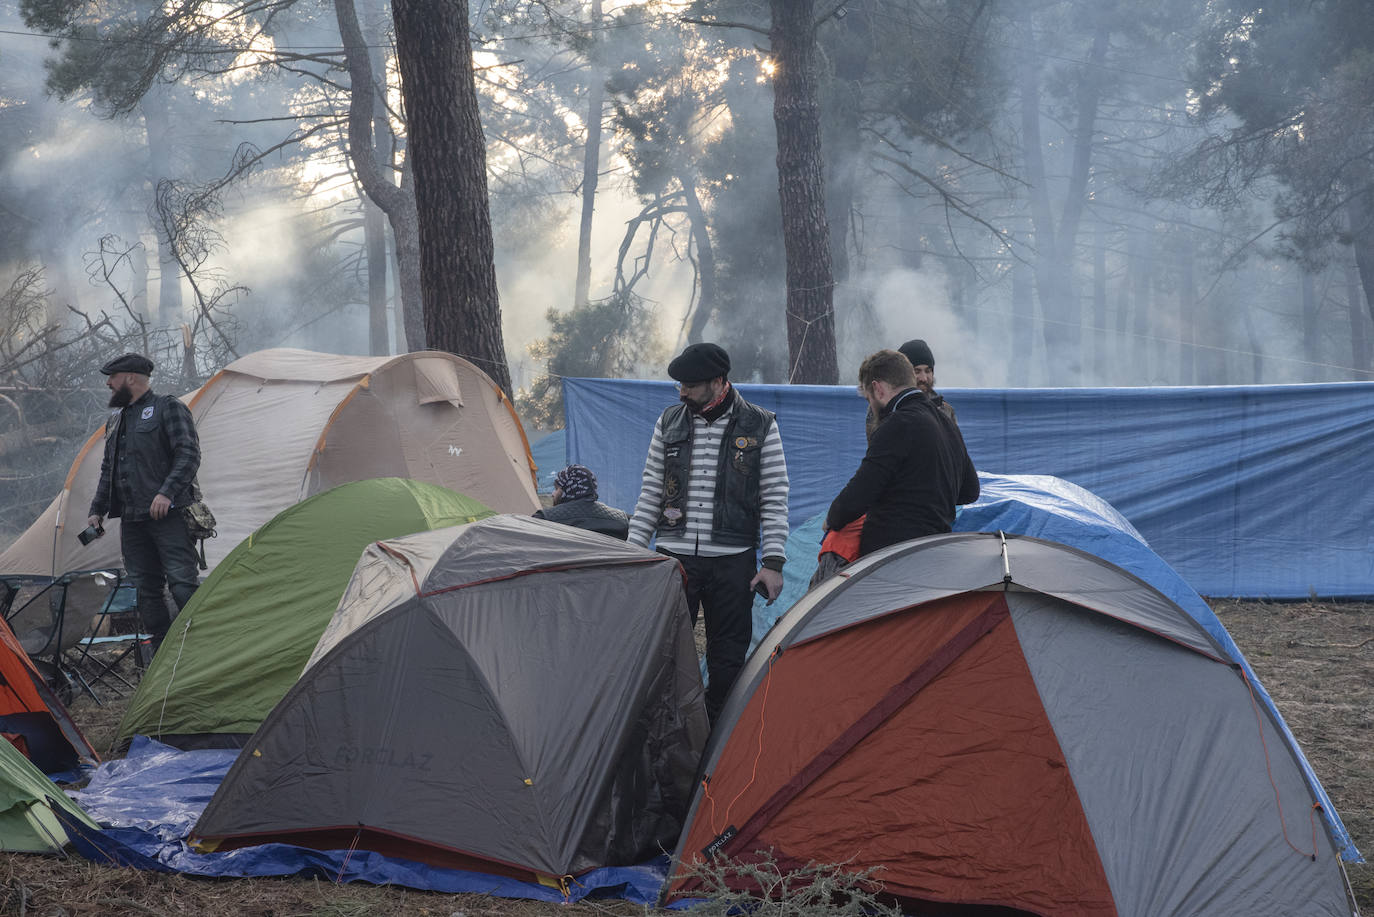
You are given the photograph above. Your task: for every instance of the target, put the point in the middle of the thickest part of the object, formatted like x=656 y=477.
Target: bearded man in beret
x=714 y=493
x=152 y=454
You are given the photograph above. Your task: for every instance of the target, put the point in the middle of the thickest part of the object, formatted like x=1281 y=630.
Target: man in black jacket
x=152 y=454
x=575 y=504
x=916 y=469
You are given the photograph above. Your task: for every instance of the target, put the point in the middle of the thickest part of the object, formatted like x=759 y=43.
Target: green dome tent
x=243 y=639
x=27 y=801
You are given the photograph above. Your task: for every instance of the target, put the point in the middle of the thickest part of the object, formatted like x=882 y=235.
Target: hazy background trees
x=1052 y=192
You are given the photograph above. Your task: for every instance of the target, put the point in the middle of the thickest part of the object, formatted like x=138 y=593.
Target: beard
x=693 y=404
x=121 y=397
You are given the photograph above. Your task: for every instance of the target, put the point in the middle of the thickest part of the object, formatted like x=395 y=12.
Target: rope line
x=758 y=752
x=1269 y=771
x=357 y=835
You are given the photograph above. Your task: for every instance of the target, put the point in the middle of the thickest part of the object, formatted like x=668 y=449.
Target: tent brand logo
x=349 y=756
x=454 y=451
x=725 y=837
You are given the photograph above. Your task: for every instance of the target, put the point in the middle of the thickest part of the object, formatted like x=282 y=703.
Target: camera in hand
x=90 y=533
x=761 y=589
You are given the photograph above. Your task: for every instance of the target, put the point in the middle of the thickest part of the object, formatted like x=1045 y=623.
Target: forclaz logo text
x=347 y=756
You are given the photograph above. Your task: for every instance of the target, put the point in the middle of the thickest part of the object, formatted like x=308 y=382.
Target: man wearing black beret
x=714 y=492
x=152 y=454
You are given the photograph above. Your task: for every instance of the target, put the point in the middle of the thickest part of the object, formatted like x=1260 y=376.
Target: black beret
x=129 y=363
x=918 y=352
x=700 y=363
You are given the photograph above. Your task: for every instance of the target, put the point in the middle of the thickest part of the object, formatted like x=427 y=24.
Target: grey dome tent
x=1002 y=724
x=509 y=696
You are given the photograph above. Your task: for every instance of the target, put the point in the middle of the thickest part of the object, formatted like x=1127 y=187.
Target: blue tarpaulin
x=1253 y=491
x=148 y=801
x=550 y=456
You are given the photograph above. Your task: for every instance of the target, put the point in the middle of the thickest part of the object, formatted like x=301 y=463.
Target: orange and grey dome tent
x=31 y=716
x=1001 y=724
x=278 y=426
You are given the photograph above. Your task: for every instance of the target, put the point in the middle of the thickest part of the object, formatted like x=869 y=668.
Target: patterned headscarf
x=576 y=482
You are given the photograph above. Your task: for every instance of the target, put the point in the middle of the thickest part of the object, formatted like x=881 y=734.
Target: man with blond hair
x=916 y=469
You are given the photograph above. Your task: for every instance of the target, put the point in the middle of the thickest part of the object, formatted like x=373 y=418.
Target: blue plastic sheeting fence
x=1252 y=491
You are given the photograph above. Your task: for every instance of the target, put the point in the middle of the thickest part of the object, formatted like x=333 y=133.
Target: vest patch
x=147 y=412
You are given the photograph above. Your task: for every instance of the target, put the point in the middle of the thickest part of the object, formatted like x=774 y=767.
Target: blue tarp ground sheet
x=148 y=801
x=1255 y=491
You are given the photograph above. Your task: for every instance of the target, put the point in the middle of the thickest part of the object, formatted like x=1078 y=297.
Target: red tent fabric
x=29 y=709
x=1001 y=725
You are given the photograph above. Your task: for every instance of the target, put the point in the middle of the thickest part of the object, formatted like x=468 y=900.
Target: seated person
x=575 y=504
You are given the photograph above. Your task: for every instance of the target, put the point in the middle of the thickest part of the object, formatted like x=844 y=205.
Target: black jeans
x=720 y=586
x=158 y=553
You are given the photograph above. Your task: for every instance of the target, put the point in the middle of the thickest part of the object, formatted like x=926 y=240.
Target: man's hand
x=771 y=579
x=94 y=520
x=159 y=507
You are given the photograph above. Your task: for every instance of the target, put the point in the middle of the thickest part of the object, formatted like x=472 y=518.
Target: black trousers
x=158 y=553
x=720 y=587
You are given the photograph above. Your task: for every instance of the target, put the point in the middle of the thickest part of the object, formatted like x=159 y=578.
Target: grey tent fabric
x=1190 y=799
x=531 y=703
x=1177 y=790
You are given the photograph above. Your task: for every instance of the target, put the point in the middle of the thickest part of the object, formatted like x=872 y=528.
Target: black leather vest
x=141 y=466
x=735 y=520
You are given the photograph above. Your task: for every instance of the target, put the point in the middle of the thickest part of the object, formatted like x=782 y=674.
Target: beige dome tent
x=280 y=425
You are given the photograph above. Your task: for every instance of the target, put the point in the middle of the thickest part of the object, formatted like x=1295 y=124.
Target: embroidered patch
x=672 y=514
x=147 y=412
x=746 y=442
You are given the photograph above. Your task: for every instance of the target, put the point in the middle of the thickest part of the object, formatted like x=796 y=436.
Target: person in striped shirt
x=714 y=493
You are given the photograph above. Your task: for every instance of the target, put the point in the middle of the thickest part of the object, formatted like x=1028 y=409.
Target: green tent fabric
x=27 y=824
x=243 y=639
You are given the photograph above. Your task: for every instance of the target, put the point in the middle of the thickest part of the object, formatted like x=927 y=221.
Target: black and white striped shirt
x=701 y=493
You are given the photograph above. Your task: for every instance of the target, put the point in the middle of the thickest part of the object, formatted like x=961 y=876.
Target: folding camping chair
x=96 y=670
x=50 y=618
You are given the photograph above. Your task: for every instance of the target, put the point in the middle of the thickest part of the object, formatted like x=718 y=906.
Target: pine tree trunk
x=374 y=240
x=462 y=309
x=1022 y=323
x=801 y=188
x=1188 y=313
x=1359 y=319
x=706 y=262
x=1310 y=355
x=368 y=130
x=591 y=166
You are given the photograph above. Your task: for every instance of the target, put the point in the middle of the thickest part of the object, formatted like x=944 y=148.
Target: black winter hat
x=129 y=363
x=918 y=352
x=700 y=363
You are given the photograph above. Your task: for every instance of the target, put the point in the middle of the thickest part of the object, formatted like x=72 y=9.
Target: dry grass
x=1317 y=660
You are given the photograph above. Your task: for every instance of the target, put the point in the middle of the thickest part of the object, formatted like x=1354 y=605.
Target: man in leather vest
x=151 y=457
x=575 y=504
x=714 y=493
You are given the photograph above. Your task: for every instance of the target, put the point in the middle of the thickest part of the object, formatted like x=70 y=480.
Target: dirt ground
x=1317 y=660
